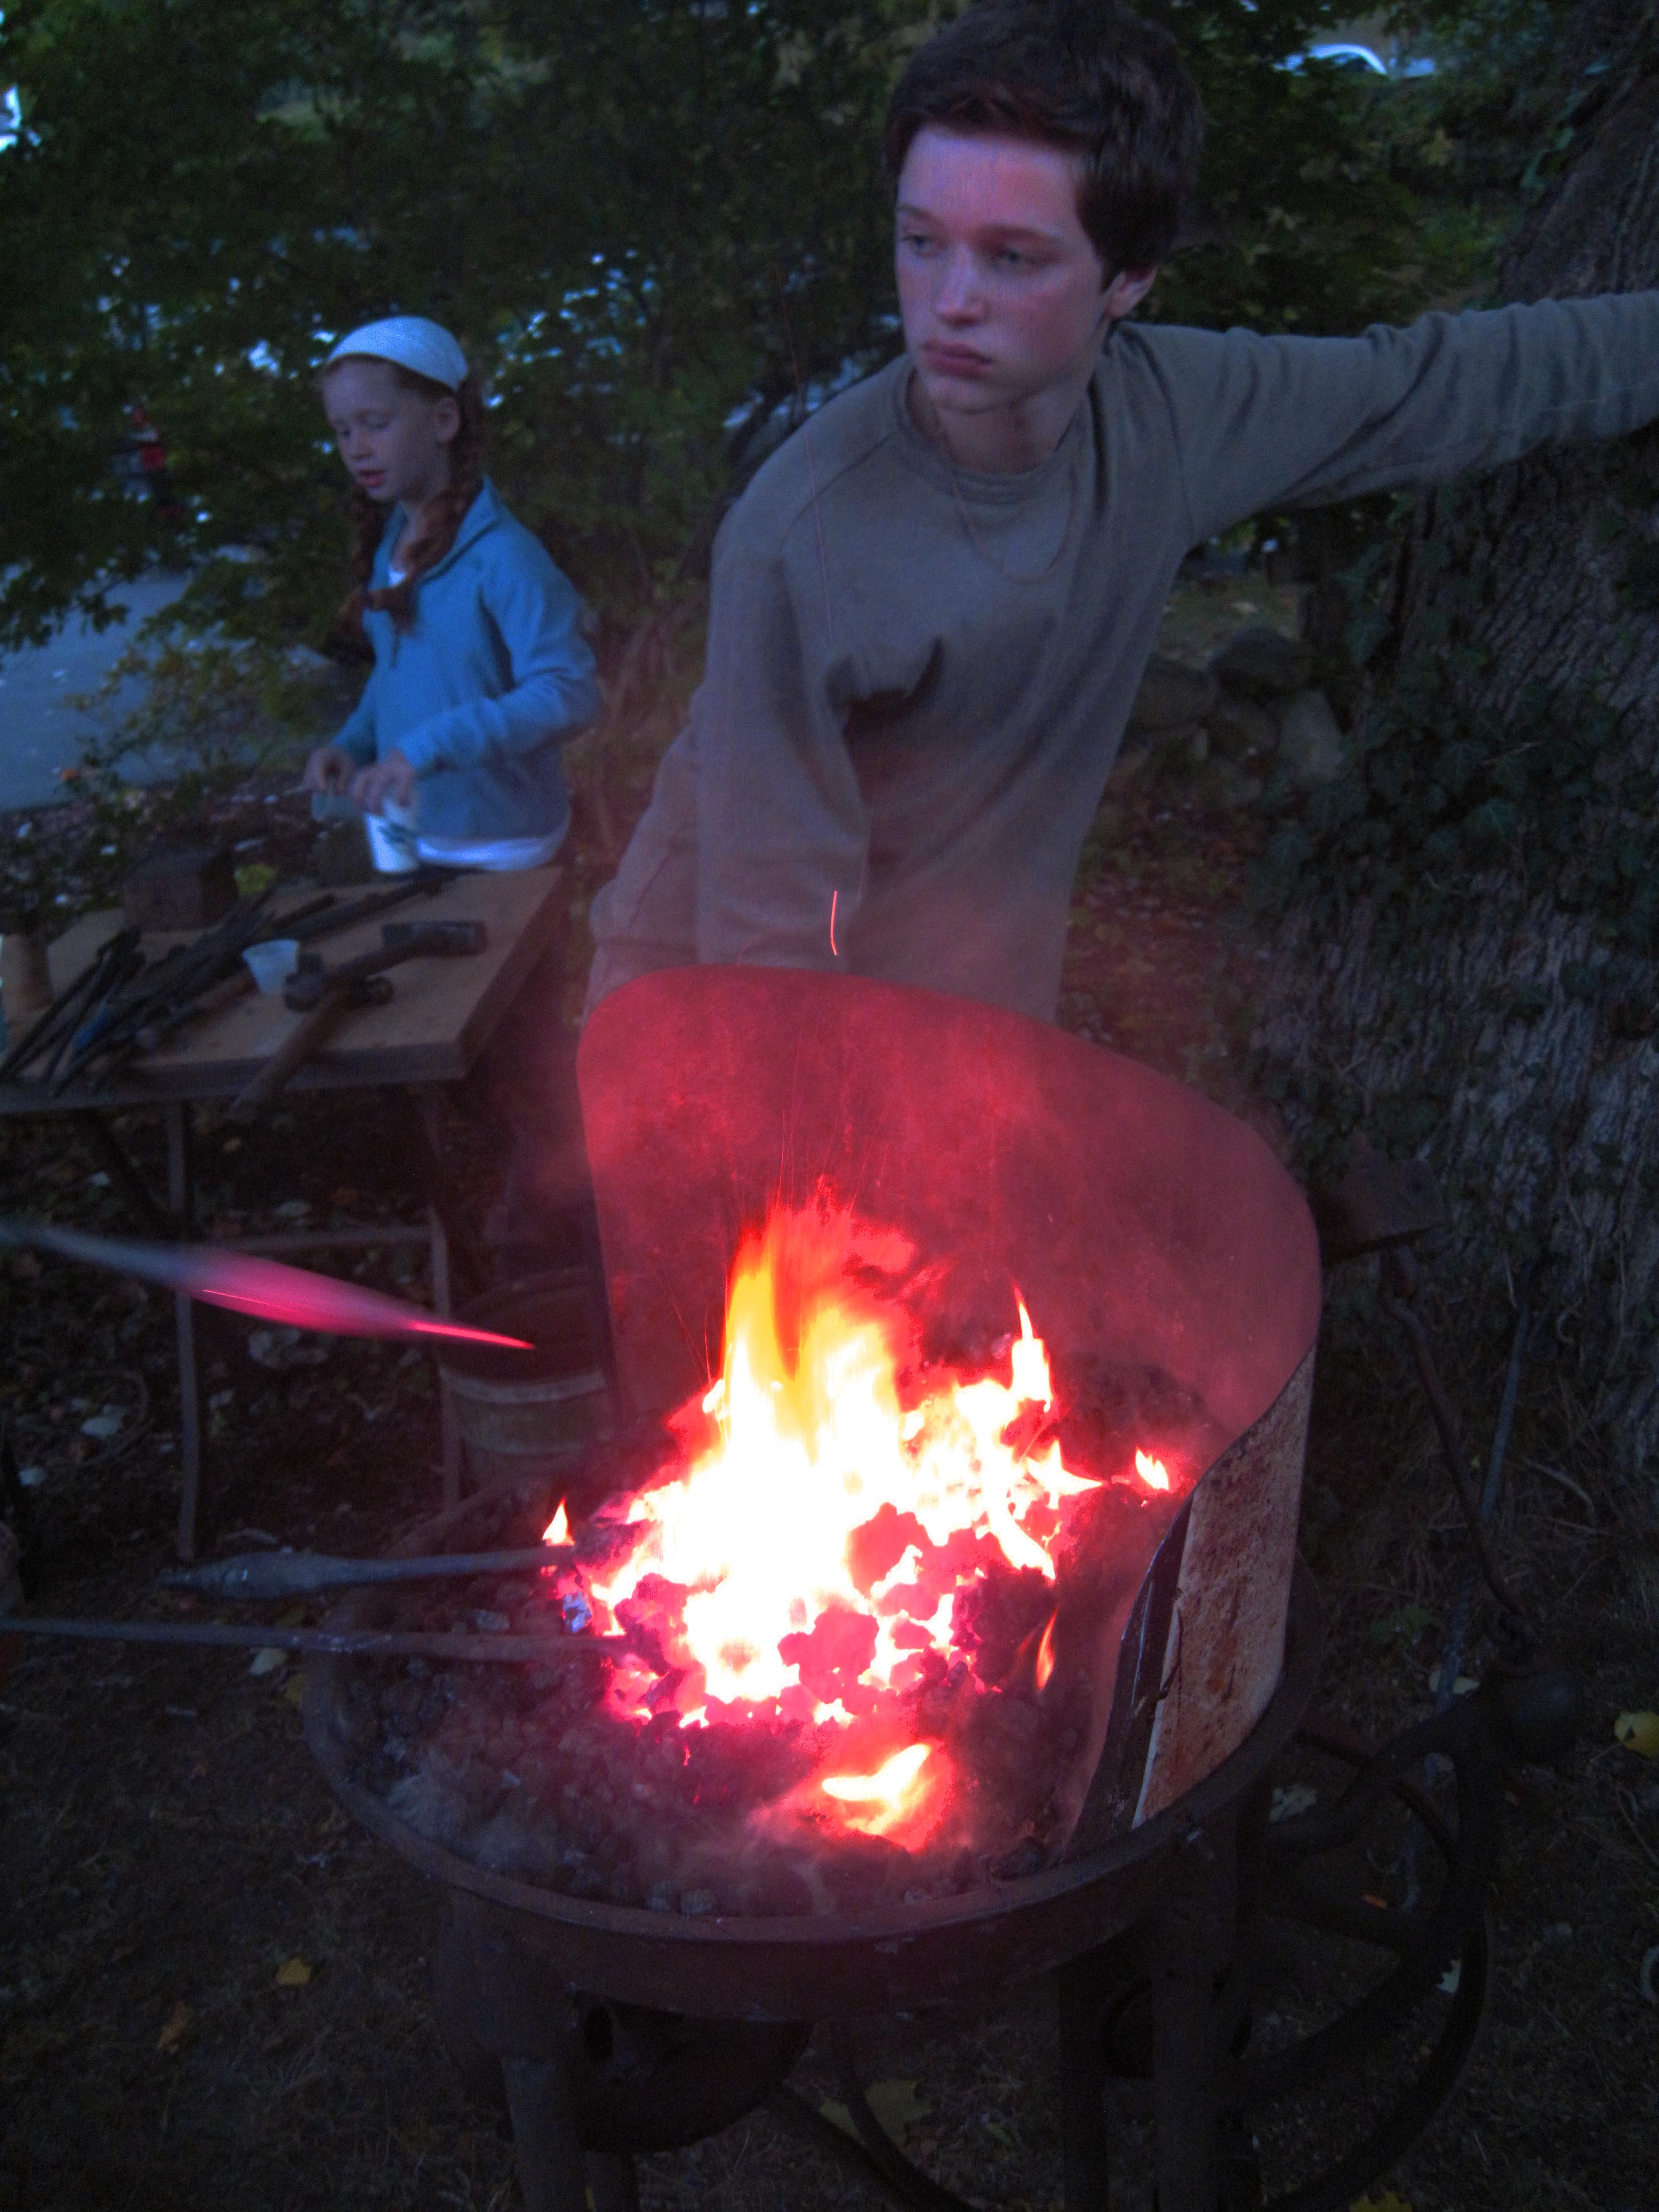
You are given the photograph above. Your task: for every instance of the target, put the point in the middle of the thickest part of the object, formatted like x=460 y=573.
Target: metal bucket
x=525 y=1413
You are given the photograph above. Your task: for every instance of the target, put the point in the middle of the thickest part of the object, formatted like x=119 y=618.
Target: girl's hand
x=389 y=777
x=329 y=768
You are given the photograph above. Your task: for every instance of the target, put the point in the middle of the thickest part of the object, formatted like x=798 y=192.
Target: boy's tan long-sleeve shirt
x=916 y=682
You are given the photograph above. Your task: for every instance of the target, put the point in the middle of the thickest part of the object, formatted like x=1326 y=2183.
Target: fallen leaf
x=177 y=2026
x=1461 y=1687
x=897 y=2105
x=294 y=1690
x=1407 y=1621
x=1638 y=1732
x=103 y=1426
x=1295 y=1797
x=293 y=1974
x=1448 y=1982
x=268 y=1661
x=31 y=1477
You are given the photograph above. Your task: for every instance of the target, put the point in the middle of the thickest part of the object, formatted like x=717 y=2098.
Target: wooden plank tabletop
x=441 y=1014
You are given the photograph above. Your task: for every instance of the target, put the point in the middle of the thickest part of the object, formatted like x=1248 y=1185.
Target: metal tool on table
x=122 y=1004
x=327 y=996
x=116 y=961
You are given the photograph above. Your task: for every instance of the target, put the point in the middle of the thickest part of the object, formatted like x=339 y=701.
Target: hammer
x=325 y=996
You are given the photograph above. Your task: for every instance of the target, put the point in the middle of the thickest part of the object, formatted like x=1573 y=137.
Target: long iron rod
x=267 y=1289
x=308 y=1574
x=343 y=1642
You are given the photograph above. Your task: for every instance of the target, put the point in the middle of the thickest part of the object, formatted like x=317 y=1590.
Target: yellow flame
x=557 y=1530
x=880 y=1801
x=1045 y=1658
x=1152 y=1471
x=813 y=1442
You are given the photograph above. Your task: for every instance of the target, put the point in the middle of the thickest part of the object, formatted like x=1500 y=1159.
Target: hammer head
x=303 y=993
x=443 y=939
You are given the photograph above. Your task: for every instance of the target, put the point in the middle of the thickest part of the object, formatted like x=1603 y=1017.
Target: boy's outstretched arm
x=1282 y=422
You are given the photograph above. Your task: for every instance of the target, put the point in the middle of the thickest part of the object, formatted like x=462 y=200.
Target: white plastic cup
x=272 y=963
x=392 y=843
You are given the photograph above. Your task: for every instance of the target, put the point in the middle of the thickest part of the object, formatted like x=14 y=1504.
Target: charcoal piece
x=507 y=1845
x=1001 y=1609
x=433 y=1807
x=1025 y=1859
x=875 y=1548
x=863 y=1871
x=729 y=1768
x=833 y=1654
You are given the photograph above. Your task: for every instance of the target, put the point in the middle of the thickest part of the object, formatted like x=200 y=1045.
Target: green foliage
x=658 y=224
x=640 y=218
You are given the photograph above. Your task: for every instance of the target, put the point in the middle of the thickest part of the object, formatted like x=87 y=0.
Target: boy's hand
x=329 y=768
x=389 y=777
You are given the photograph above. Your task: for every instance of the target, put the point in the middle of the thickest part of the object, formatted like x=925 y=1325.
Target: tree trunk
x=1497 y=1013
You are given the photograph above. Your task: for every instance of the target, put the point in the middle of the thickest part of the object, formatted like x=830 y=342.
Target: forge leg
x=191 y=1423
x=551 y=2171
x=1083 y=2085
x=1188 y=1950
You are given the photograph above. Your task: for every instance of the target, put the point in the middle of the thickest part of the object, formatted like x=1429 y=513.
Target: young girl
x=481 y=670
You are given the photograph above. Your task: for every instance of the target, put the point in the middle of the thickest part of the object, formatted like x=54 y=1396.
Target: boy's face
x=394 y=442
x=1002 y=293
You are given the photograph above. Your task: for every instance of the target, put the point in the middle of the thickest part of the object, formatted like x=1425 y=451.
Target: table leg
x=443 y=1302
x=126 y=1177
x=423 y=1122
x=191 y=1426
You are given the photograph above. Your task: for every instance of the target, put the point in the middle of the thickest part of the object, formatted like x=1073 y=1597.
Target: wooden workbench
x=443 y=1013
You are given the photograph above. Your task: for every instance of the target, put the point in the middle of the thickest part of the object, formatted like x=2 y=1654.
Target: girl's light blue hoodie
x=494 y=676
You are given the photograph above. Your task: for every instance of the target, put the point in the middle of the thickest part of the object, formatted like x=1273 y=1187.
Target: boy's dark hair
x=438 y=525
x=1082 y=74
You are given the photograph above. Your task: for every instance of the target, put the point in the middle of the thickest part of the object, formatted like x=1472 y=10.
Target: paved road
x=39 y=731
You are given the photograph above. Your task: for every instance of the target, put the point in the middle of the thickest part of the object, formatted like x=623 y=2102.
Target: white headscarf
x=413 y=342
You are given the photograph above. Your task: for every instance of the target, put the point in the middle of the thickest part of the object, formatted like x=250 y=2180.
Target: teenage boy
x=932 y=607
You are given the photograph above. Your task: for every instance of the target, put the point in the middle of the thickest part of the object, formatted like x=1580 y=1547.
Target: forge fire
x=860 y=1592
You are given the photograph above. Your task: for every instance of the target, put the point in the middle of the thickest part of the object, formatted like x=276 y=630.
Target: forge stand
x=1157 y=1946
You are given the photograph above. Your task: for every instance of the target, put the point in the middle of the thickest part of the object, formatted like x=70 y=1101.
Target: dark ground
x=212 y=1985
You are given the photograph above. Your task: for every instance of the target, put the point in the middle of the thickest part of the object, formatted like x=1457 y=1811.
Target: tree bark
x=1510 y=1036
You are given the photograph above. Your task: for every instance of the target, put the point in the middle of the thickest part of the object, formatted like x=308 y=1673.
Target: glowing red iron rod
x=264 y=1288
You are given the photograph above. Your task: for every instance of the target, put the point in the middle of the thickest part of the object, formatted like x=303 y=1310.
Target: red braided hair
x=443 y=517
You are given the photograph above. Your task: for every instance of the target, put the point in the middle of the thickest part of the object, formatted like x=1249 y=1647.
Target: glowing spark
x=1045 y=1658
x=834 y=895
x=1152 y=1471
